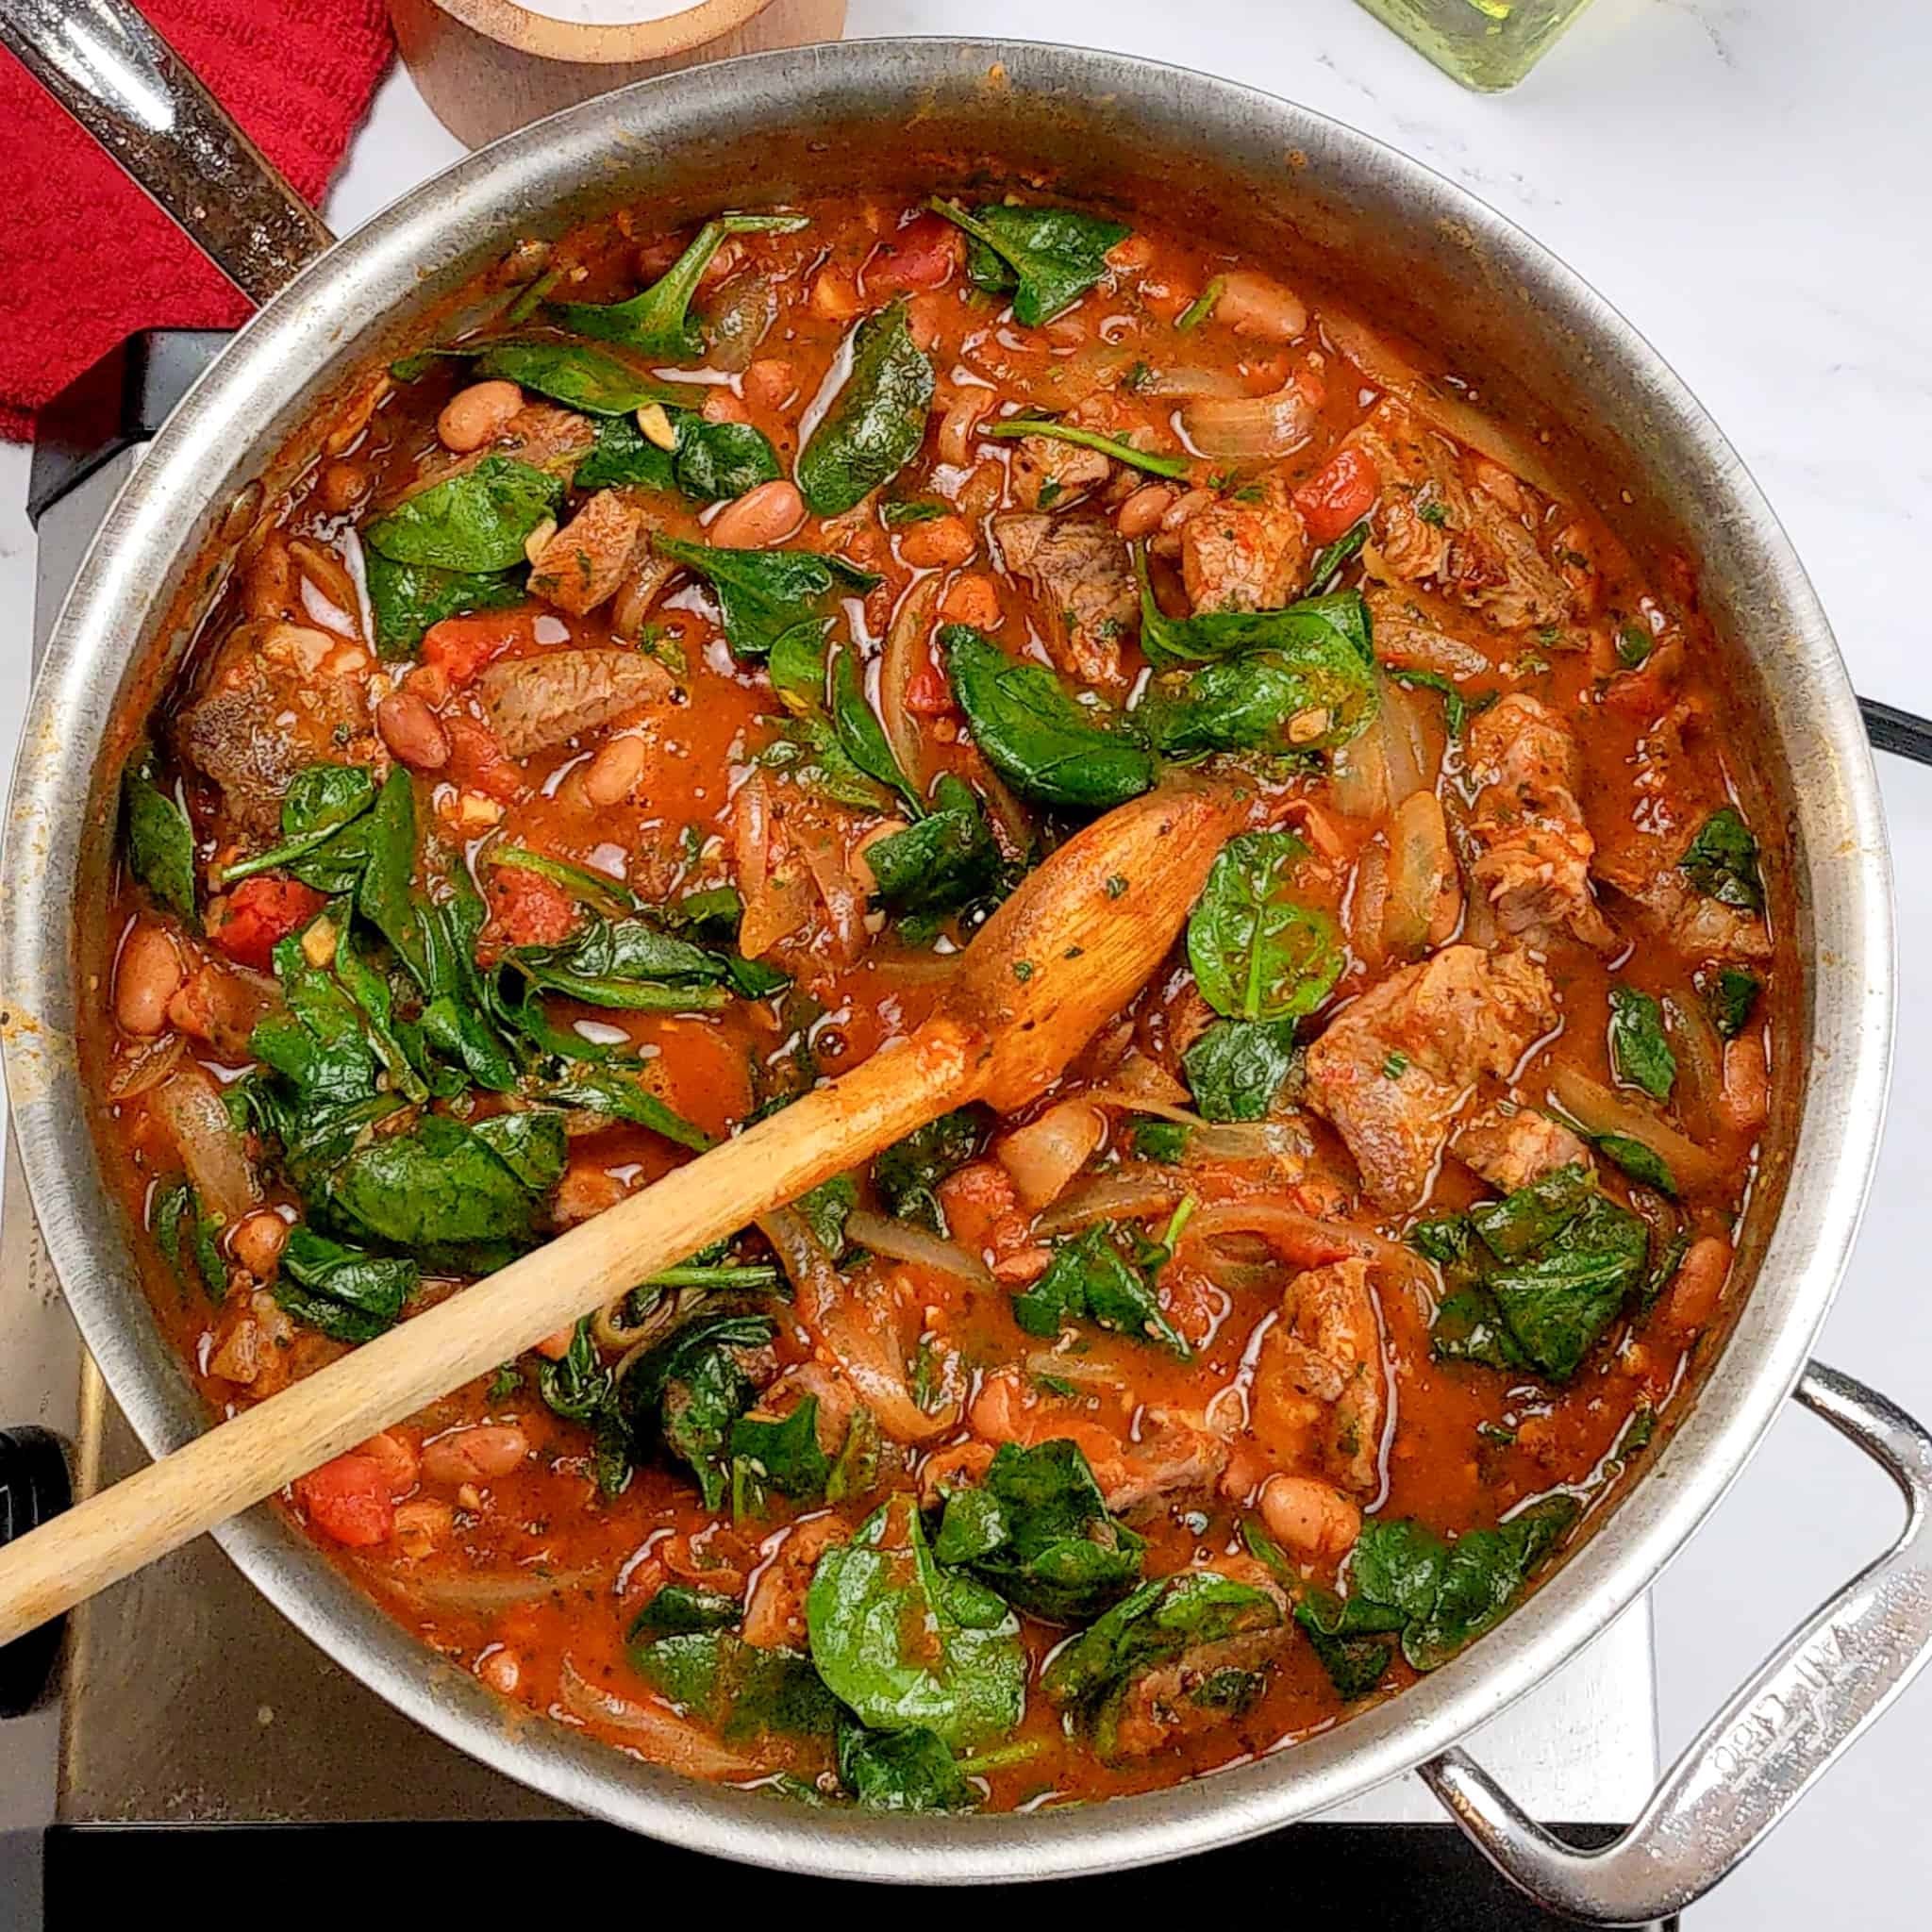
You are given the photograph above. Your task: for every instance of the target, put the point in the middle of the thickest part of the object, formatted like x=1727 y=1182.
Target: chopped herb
x=1202 y=307
x=1172 y=467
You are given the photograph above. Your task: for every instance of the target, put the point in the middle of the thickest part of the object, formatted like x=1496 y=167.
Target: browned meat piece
x=1533 y=849
x=1051 y=474
x=775 y=1614
x=540 y=434
x=1321 y=1398
x=531 y=704
x=1406 y=634
x=1510 y=1146
x=1084 y=577
x=1201 y=1690
x=1247 y=552
x=1176 y=1462
x=1429 y=523
x=587 y=560
x=1645 y=871
x=1395 y=1069
x=221 y=1005
x=266 y=710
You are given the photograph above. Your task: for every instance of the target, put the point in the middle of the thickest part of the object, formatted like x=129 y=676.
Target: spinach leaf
x=623 y=1098
x=160 y=842
x=1644 y=1164
x=707 y=461
x=627 y=964
x=347 y=1293
x=944 y=863
x=784 y=1455
x=738 y=1688
x=316 y=1043
x=578 y=376
x=438 y=1191
x=1640 y=1054
x=862 y=735
x=1049 y=257
x=582 y=1389
x=1722 y=863
x=1275 y=702
x=1237 y=1068
x=1468 y=1328
x=1121 y=451
x=688 y=1390
x=407 y=598
x=1164 y=1141
x=918 y=509
x=908 y=1645
x=1037 y=1530
x=1731 y=997
x=1088 y=1277
x=532 y=1145
x=763 y=593
x=624 y=457
x=909 y=1173
x=900 y=1770
x=1562 y=1297
x=1151 y=1626
x=1325 y=565
x=657 y=322
x=1035 y=736
x=598 y=889
x=825 y=1210
x=1534 y=1214
x=681 y=1610
x=476 y=520
x=1256 y=953
x=876 y=422
x=457 y=1018
x=1309 y=629
x=321 y=799
x=177 y=1207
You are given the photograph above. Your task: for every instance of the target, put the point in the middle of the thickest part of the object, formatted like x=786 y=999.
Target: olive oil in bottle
x=1485 y=44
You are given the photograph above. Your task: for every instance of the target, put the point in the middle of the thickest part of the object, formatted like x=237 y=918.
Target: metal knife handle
x=103 y=62
x=1829 y=1680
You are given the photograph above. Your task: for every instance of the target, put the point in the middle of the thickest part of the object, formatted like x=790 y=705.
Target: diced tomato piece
x=348 y=1499
x=927 y=692
x=460 y=646
x=260 y=913
x=396 y=1455
x=1339 y=495
x=919 y=256
x=531 y=910
x=477 y=762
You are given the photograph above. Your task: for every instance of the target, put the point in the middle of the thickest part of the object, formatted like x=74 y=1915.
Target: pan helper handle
x=103 y=62
x=1837 y=1673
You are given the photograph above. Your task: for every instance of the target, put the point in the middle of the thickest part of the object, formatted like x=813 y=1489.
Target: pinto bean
x=148 y=977
x=760 y=518
x=769 y=381
x=609 y=777
x=502 y=1671
x=939 y=542
x=477 y=414
x=396 y=1455
x=474 y=1455
x=1141 y=514
x=268 y=583
x=412 y=732
x=1694 y=1297
x=1260 y=305
x=1309 y=1518
x=721 y=406
x=342 y=485
x=258 y=1241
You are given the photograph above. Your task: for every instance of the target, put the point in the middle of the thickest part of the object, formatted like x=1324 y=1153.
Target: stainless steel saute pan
x=1270 y=175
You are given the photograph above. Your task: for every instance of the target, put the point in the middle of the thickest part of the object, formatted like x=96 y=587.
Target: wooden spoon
x=1062 y=955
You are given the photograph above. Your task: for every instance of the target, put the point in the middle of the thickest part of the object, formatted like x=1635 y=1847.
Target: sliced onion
x=1133 y=1194
x=486 y=1595
x=1193 y=382
x=1141 y=1103
x=1010 y=823
x=1405 y=744
x=1359 y=779
x=954 y=442
x=1075 y=1368
x=774 y=906
x=897 y=1240
x=1241 y=426
x=1599 y=1110
x=840 y=888
x=918 y=969
x=1425 y=887
x=1237 y=1141
x=1370 y=352
x=1148 y=1080
x=1700 y=1059
x=190 y=1108
x=611 y=1326
x=1303 y=1241
x=146 y=1066
x=660 y=1733
x=855 y=1332
x=1368 y=905
x=1043 y=1155
x=339 y=604
x=904 y=642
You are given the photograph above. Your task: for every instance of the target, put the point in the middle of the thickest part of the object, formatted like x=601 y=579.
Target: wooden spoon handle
x=252 y=1456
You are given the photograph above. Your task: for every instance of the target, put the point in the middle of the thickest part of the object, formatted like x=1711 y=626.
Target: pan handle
x=1829 y=1680
x=103 y=62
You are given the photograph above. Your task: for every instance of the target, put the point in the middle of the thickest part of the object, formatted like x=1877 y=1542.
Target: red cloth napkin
x=86 y=259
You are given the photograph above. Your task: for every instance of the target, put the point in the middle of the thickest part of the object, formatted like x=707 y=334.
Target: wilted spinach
x=1121 y=451
x=1721 y=862
x=876 y=422
x=629 y=964
x=1037 y=1530
x=1275 y=702
x=344 y=1291
x=1731 y=997
x=575 y=374
x=582 y=1389
x=408 y=598
x=1640 y=1054
x=1090 y=1279
x=475 y=522
x=160 y=842
x=1035 y=736
x=862 y=735
x=320 y=801
x=689 y=1388
x=1048 y=256
x=738 y=1688
x=1238 y=1066
x=706 y=461
x=784 y=1455
x=763 y=593
x=1308 y=629
x=944 y=863
x=189 y=1236
x=909 y=1173
x=623 y=1098
x=900 y=1770
x=1258 y=954
x=682 y=1609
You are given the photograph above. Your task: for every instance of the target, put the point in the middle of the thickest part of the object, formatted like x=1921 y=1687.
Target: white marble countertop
x=1747 y=180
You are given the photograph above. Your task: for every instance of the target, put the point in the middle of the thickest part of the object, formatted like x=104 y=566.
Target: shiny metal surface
x=1271 y=175
x=1831 y=1677
x=103 y=62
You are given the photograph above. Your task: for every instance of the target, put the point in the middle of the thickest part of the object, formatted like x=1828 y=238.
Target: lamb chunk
x=1321 y=1399
x=1049 y=474
x=1406 y=634
x=1247 y=552
x=1211 y=1685
x=1510 y=1147
x=532 y=704
x=1533 y=848
x=585 y=562
x=1084 y=577
x=1176 y=1462
x=267 y=710
x=1696 y=927
x=1429 y=523
x=1393 y=1070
